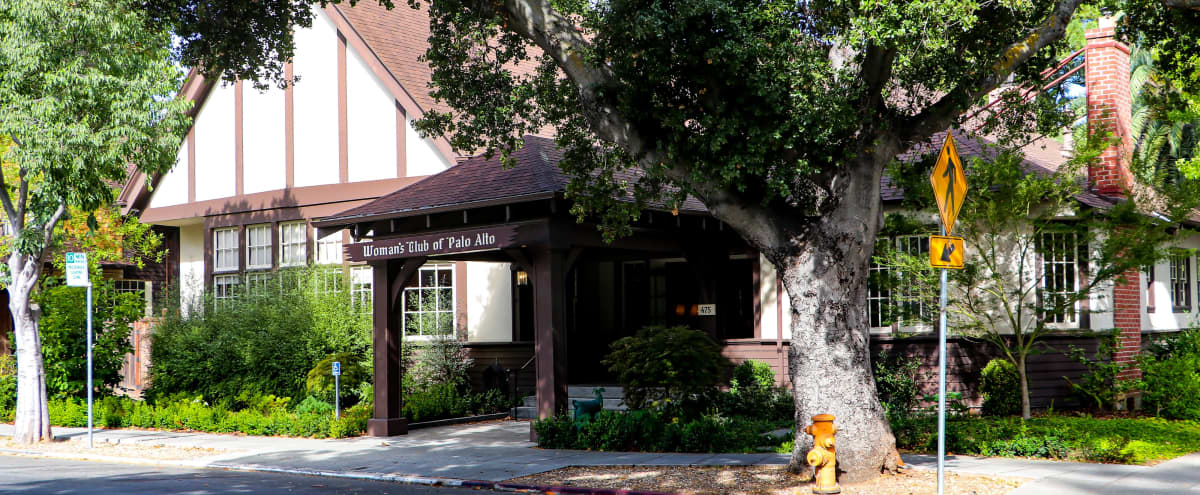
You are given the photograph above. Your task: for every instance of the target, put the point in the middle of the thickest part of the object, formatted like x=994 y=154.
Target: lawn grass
x=1132 y=440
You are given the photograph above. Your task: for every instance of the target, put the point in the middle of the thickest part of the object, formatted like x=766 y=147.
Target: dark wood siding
x=509 y=355
x=965 y=361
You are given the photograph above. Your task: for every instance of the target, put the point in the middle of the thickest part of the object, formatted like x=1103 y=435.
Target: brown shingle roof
x=477 y=182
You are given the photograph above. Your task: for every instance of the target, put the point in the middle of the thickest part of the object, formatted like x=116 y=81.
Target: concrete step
x=529 y=401
x=524 y=412
x=610 y=391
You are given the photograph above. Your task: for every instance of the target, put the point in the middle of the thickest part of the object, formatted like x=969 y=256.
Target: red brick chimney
x=1109 y=109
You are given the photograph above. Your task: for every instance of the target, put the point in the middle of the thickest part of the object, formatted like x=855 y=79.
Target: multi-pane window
x=258 y=283
x=329 y=249
x=429 y=303
x=879 y=294
x=360 y=288
x=225 y=286
x=225 y=250
x=1060 y=276
x=892 y=295
x=329 y=280
x=258 y=246
x=292 y=241
x=913 y=305
x=1181 y=281
x=140 y=287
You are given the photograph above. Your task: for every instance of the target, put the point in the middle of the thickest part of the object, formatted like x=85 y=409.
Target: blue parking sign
x=337 y=368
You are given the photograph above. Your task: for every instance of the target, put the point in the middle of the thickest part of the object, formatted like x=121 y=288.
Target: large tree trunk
x=830 y=361
x=32 y=421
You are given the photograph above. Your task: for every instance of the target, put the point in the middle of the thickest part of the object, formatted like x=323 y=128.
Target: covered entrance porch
x=572 y=293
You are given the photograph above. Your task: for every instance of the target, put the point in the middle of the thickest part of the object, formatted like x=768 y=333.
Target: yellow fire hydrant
x=823 y=456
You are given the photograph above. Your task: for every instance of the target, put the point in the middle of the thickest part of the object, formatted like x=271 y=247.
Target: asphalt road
x=26 y=475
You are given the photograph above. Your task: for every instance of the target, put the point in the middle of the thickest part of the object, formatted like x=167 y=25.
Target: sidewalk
x=500 y=450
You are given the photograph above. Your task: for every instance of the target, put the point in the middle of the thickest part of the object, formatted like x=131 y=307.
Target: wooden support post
x=388 y=279
x=550 y=337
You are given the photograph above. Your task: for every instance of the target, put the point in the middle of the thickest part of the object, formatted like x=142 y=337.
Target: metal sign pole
x=89 y=362
x=941 y=460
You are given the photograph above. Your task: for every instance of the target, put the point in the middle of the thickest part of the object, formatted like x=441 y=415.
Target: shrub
x=652 y=431
x=666 y=364
x=313 y=405
x=8 y=387
x=436 y=402
x=63 y=329
x=1171 y=386
x=262 y=341
x=752 y=374
x=896 y=382
x=355 y=372
x=1099 y=387
x=1001 y=388
x=442 y=360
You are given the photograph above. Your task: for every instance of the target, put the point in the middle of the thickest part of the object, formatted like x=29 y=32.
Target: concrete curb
x=384 y=477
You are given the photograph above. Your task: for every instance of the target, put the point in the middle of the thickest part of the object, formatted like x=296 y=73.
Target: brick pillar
x=1109 y=107
x=1109 y=110
x=1127 y=316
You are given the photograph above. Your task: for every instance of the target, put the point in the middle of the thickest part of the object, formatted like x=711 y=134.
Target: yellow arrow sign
x=949 y=183
x=946 y=252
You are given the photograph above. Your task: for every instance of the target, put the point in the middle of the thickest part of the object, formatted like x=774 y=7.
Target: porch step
x=524 y=412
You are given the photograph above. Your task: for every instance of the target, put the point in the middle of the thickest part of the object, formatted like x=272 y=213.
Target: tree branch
x=9 y=211
x=558 y=37
x=48 y=235
x=938 y=116
x=1182 y=4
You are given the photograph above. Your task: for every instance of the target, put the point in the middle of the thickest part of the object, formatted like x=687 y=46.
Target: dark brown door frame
x=388 y=280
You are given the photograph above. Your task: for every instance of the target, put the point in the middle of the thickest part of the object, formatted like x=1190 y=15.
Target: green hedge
x=648 y=431
x=1124 y=440
x=184 y=415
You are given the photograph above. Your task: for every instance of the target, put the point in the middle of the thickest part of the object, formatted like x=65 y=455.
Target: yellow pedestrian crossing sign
x=949 y=183
x=945 y=252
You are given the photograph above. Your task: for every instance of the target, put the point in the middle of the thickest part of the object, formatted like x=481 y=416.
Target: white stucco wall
x=173 y=188
x=489 y=302
x=1164 y=318
x=422 y=155
x=371 y=123
x=768 y=305
x=191 y=265
x=216 y=160
x=264 y=148
x=315 y=104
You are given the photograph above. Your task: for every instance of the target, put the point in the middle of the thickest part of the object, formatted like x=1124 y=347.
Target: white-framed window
x=225 y=286
x=142 y=288
x=225 y=250
x=1060 y=276
x=892 y=301
x=258 y=283
x=429 y=303
x=1181 y=281
x=292 y=241
x=329 y=280
x=879 y=294
x=258 y=246
x=329 y=249
x=361 y=295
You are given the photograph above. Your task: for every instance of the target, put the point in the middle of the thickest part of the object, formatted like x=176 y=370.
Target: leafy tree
x=1014 y=218
x=779 y=116
x=84 y=92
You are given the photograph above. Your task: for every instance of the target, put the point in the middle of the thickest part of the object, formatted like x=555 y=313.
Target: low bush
x=667 y=367
x=8 y=387
x=650 y=431
x=449 y=401
x=63 y=331
x=1170 y=382
x=896 y=382
x=753 y=395
x=1080 y=438
x=1098 y=388
x=196 y=415
x=1000 y=386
